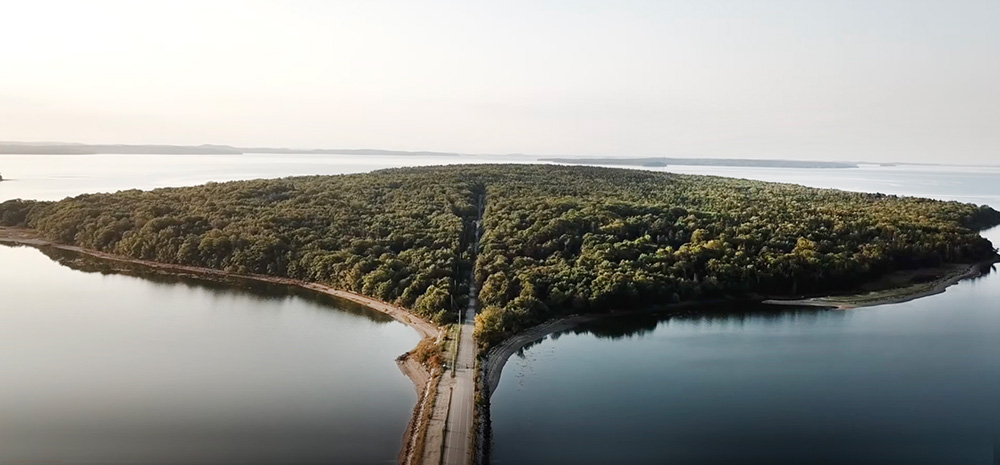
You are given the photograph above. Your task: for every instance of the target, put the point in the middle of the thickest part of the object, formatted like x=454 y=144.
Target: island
x=483 y=259
x=659 y=162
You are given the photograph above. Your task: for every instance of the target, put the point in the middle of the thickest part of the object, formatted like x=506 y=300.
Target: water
x=194 y=372
x=963 y=184
x=911 y=383
x=53 y=177
x=138 y=369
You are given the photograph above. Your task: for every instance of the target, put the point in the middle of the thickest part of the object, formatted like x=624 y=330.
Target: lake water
x=53 y=177
x=115 y=368
x=103 y=368
x=911 y=383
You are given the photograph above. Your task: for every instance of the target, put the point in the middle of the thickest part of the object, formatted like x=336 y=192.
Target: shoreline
x=959 y=273
x=496 y=358
x=491 y=364
x=416 y=372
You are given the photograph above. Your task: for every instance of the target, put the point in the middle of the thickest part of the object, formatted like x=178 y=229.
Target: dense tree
x=562 y=239
x=555 y=239
x=398 y=236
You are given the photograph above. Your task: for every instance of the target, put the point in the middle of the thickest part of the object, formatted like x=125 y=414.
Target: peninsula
x=497 y=250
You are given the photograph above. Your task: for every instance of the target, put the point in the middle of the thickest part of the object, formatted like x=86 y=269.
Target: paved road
x=458 y=429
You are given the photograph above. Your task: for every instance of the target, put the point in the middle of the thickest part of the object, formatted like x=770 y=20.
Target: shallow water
x=53 y=177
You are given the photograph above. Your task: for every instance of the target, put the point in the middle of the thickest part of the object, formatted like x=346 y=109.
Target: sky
x=872 y=80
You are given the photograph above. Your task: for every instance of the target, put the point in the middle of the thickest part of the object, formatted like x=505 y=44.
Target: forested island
x=656 y=162
x=556 y=240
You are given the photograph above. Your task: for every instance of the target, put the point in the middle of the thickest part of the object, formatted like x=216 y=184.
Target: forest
x=556 y=239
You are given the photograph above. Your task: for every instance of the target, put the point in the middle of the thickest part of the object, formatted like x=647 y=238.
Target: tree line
x=556 y=239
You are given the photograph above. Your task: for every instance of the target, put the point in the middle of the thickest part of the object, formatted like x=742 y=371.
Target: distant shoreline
x=14 y=148
x=67 y=148
x=662 y=162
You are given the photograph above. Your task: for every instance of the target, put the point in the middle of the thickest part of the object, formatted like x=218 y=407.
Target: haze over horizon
x=905 y=81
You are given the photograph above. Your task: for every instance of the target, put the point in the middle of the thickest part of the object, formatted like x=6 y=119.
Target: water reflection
x=260 y=290
x=101 y=366
x=637 y=325
x=912 y=383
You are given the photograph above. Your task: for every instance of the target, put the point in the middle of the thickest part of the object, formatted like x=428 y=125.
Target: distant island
x=61 y=148
x=655 y=162
x=350 y=152
x=22 y=148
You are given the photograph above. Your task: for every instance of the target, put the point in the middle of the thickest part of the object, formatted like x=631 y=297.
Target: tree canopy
x=556 y=239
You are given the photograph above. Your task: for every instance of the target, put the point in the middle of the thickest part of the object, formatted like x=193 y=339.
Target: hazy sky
x=834 y=79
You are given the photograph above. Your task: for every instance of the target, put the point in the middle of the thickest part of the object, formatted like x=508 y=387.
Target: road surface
x=458 y=429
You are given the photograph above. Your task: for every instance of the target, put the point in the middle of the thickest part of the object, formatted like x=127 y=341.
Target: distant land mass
x=663 y=161
x=58 y=148
x=69 y=148
x=349 y=152
x=25 y=148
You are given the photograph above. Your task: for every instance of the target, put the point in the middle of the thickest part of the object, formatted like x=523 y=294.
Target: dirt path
x=417 y=373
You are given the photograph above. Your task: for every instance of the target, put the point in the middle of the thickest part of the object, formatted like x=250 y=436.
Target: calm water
x=106 y=368
x=913 y=383
x=53 y=177
x=112 y=368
